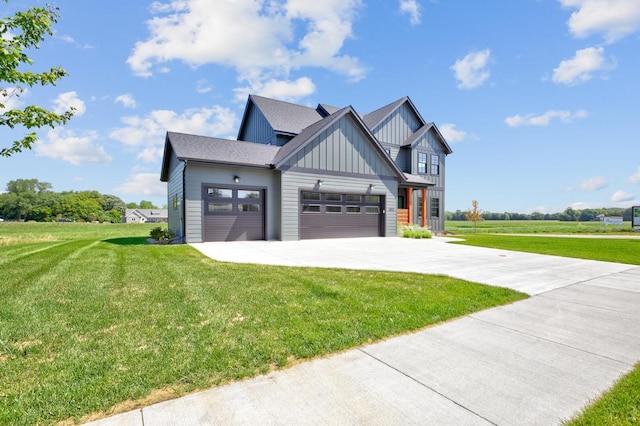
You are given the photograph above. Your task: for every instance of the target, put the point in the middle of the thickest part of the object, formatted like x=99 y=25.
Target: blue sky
x=537 y=98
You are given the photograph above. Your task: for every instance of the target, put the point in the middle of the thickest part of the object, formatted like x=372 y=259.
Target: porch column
x=410 y=205
x=424 y=208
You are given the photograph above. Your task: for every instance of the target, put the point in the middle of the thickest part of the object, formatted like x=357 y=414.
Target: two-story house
x=297 y=172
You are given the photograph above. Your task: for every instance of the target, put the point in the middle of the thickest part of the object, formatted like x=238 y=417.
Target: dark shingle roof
x=375 y=117
x=416 y=180
x=285 y=117
x=328 y=109
x=421 y=131
x=215 y=150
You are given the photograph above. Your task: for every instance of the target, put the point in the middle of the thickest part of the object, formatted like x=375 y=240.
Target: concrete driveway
x=536 y=362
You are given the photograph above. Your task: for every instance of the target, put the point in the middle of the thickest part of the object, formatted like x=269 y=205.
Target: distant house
x=145 y=216
x=297 y=172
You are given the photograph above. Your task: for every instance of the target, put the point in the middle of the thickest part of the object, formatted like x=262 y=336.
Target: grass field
x=535 y=227
x=618 y=250
x=94 y=320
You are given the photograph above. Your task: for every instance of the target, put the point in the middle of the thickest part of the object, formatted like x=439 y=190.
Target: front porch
x=407 y=206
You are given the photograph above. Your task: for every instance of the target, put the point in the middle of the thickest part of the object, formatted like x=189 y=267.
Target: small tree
x=474 y=214
x=20 y=32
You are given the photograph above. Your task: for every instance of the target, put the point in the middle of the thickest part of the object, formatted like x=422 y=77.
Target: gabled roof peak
x=283 y=117
x=376 y=117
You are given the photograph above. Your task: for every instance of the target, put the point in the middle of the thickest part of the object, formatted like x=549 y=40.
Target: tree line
x=568 y=215
x=30 y=199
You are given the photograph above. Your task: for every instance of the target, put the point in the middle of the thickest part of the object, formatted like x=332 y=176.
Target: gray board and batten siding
x=347 y=161
x=398 y=126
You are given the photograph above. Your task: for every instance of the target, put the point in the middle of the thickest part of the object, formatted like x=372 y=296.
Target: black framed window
x=434 y=207
x=435 y=164
x=422 y=162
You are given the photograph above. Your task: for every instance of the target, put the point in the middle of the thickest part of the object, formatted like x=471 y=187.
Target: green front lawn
x=626 y=250
x=94 y=320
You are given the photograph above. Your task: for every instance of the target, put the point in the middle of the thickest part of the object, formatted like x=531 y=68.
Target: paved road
x=535 y=362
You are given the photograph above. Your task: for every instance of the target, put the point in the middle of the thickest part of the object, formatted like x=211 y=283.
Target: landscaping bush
x=161 y=234
x=411 y=231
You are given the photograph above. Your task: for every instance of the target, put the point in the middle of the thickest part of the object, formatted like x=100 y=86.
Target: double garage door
x=233 y=214
x=340 y=215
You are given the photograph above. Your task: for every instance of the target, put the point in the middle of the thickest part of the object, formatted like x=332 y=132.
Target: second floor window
x=435 y=165
x=422 y=162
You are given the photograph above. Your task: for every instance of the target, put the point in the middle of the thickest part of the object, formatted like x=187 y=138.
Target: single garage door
x=233 y=213
x=340 y=215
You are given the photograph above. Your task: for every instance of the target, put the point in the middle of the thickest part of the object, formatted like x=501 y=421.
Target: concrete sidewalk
x=537 y=361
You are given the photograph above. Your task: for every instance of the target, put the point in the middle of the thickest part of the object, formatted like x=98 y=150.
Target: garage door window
x=248 y=207
x=248 y=194
x=220 y=207
x=230 y=201
x=334 y=209
x=219 y=192
x=311 y=196
x=310 y=208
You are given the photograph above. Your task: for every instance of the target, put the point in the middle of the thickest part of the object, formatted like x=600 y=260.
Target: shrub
x=411 y=231
x=161 y=234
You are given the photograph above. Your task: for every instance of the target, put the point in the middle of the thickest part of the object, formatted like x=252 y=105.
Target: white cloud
x=471 y=71
x=67 y=146
x=592 y=184
x=126 y=100
x=544 y=119
x=451 y=134
x=621 y=196
x=145 y=184
x=581 y=67
x=203 y=86
x=283 y=36
x=279 y=89
x=10 y=97
x=411 y=8
x=66 y=100
x=148 y=132
x=635 y=178
x=615 y=19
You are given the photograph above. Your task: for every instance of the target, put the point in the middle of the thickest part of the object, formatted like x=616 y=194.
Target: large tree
x=19 y=33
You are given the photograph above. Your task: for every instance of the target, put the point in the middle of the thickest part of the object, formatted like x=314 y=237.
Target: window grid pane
x=220 y=207
x=435 y=165
x=434 y=207
x=310 y=208
x=219 y=192
x=422 y=162
x=253 y=195
x=311 y=196
x=249 y=207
